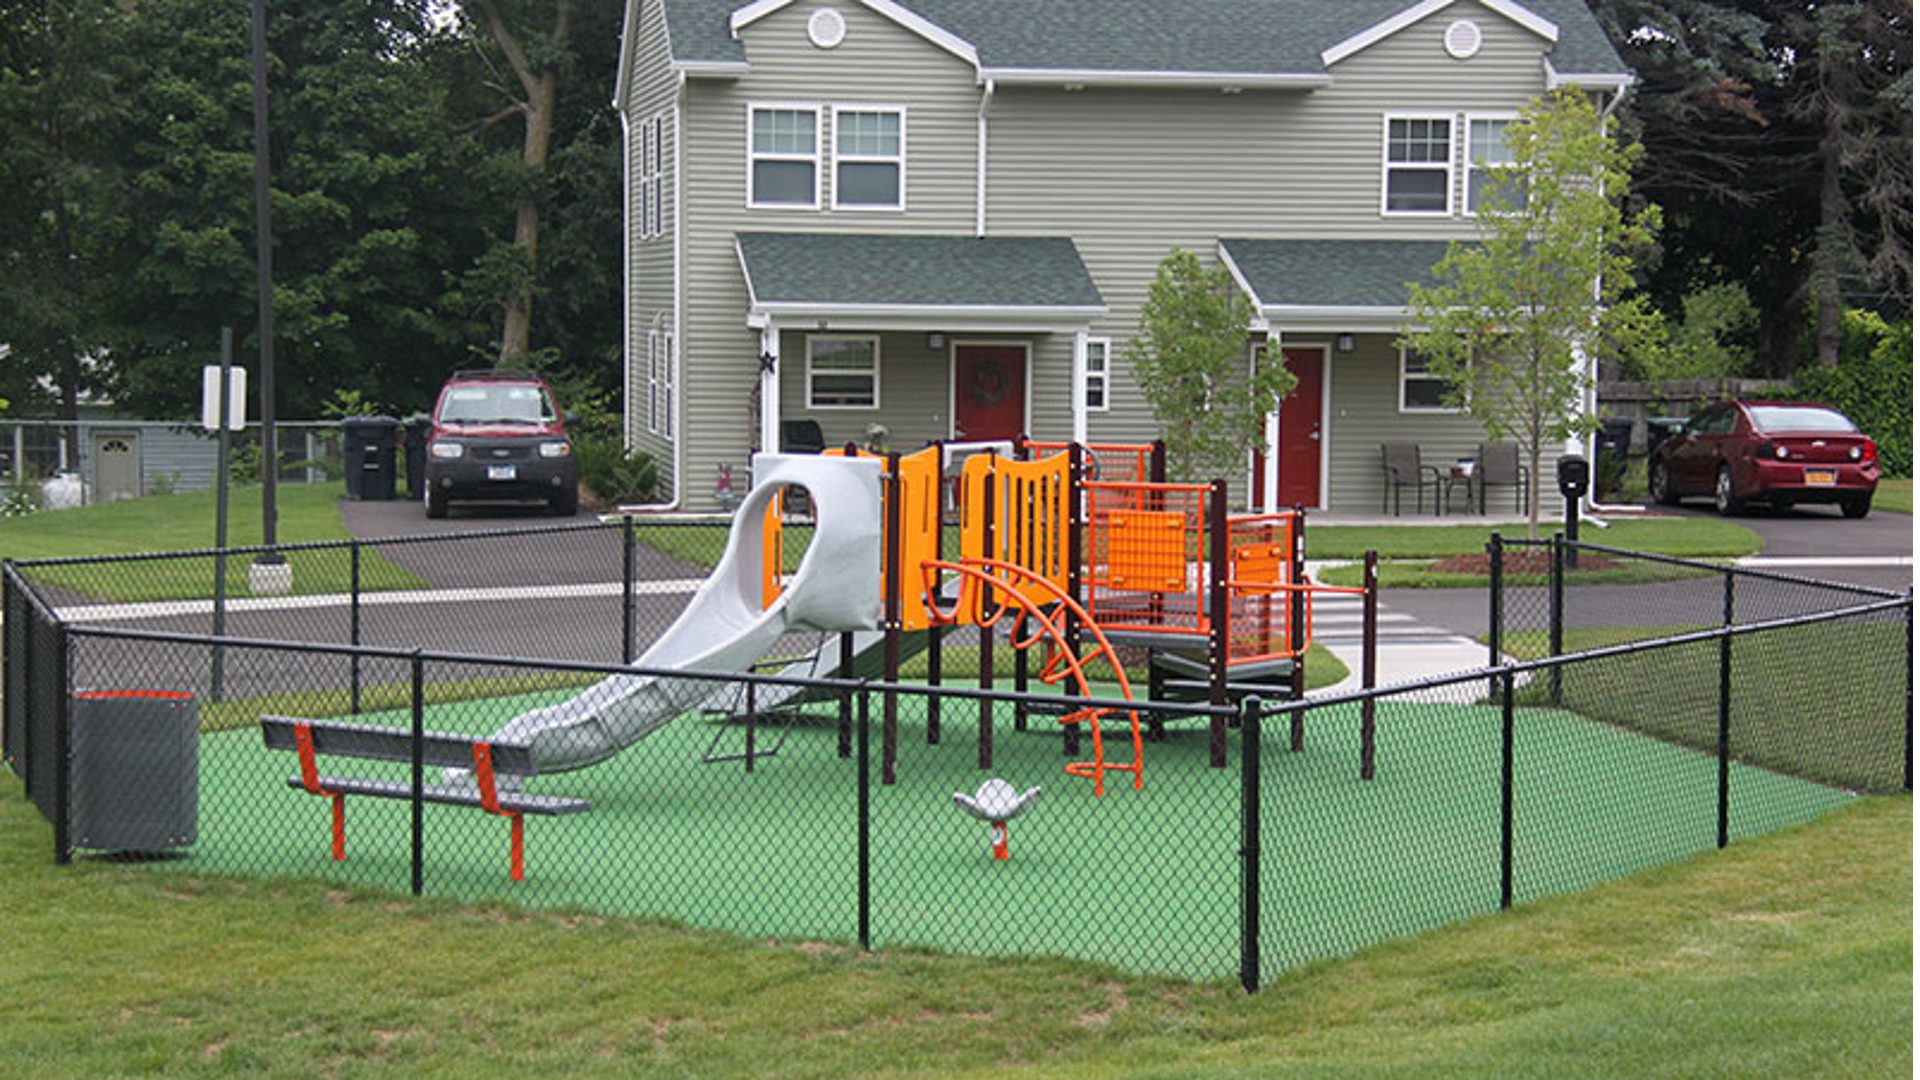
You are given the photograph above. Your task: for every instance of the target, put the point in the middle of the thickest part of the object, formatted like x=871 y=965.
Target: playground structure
x=1220 y=603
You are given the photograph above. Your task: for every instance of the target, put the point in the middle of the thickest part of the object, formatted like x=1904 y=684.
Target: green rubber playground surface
x=1147 y=880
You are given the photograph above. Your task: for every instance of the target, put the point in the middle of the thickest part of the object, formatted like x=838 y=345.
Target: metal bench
x=311 y=738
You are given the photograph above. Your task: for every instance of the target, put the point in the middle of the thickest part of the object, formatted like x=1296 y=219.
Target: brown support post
x=890 y=721
x=1369 y=658
x=986 y=633
x=1218 y=618
x=1019 y=526
x=1297 y=573
x=1076 y=474
x=939 y=553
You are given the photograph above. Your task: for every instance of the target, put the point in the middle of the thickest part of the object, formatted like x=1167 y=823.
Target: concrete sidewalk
x=1407 y=648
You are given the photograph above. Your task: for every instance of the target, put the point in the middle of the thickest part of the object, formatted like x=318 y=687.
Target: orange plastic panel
x=1147 y=550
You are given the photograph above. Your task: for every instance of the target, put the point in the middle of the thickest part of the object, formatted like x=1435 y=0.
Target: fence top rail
x=1519 y=667
x=584 y=668
x=34 y=600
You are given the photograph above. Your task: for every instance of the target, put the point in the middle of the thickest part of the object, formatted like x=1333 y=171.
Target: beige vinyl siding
x=650 y=273
x=1130 y=174
x=1364 y=411
x=878 y=63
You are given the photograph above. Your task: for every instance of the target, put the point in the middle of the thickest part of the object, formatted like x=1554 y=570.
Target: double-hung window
x=869 y=158
x=653 y=155
x=783 y=154
x=1487 y=146
x=843 y=372
x=1418 y=170
x=1095 y=374
x=1420 y=389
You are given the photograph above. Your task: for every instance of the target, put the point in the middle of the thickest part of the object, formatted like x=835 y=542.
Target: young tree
x=1191 y=362
x=1514 y=320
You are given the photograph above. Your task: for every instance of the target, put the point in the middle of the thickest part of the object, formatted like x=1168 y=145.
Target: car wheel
x=1855 y=506
x=565 y=504
x=436 y=503
x=1723 y=499
x=1660 y=485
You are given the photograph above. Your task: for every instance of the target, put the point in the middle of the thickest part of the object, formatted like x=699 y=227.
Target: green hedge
x=1873 y=385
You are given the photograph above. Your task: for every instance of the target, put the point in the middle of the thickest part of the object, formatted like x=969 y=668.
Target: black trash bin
x=369 y=444
x=1616 y=437
x=136 y=770
x=1662 y=428
x=418 y=427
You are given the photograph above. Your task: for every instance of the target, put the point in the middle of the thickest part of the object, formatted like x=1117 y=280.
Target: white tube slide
x=724 y=628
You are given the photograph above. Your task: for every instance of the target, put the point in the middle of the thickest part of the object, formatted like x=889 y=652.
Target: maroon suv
x=1768 y=452
x=498 y=436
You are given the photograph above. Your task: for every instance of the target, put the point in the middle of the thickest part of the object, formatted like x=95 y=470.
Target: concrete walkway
x=1408 y=649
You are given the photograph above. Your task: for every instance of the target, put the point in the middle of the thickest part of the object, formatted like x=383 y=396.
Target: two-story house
x=942 y=216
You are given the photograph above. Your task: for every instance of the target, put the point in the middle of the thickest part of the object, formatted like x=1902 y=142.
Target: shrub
x=1873 y=385
x=611 y=474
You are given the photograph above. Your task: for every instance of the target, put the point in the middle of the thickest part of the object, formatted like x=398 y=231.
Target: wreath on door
x=989 y=383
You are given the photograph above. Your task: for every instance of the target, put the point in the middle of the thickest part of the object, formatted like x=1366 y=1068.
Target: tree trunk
x=1830 y=248
x=537 y=107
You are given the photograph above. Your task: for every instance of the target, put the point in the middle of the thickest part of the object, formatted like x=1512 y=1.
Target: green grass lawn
x=1787 y=955
x=1894 y=495
x=308 y=513
x=1662 y=536
x=1417 y=574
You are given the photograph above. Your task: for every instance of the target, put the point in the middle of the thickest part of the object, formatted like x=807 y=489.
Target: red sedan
x=1767 y=452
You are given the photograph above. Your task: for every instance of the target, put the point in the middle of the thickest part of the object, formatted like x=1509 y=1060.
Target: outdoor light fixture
x=936 y=341
x=1344 y=342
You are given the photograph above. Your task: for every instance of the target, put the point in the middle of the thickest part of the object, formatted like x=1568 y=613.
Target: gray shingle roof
x=1334 y=273
x=916 y=271
x=1264 y=36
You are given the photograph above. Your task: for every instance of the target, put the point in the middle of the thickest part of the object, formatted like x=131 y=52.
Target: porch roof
x=952 y=280
x=1352 y=281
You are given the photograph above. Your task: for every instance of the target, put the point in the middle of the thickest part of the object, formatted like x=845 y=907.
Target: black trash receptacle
x=369 y=444
x=136 y=770
x=1662 y=428
x=1616 y=436
x=417 y=430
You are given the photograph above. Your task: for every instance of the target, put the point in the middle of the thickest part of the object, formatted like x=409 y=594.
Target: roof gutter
x=1223 y=80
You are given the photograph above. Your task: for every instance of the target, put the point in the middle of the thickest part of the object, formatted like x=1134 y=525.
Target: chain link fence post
x=1506 y=789
x=1726 y=709
x=1250 y=844
x=62 y=705
x=418 y=754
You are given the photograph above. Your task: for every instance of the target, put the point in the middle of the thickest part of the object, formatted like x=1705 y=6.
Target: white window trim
x=653 y=381
x=1466 y=155
x=1105 y=375
x=669 y=397
x=874 y=340
x=660 y=204
x=897 y=160
x=1447 y=168
x=1400 y=394
x=815 y=158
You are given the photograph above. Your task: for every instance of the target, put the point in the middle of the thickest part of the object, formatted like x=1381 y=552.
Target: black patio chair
x=1499 y=463
x=1400 y=466
x=801 y=437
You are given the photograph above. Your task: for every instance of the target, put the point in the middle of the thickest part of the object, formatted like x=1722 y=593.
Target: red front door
x=1298 y=482
x=989 y=391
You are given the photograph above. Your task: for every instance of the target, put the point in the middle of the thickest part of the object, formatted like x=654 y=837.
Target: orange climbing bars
x=1143 y=557
x=1017 y=582
x=1116 y=463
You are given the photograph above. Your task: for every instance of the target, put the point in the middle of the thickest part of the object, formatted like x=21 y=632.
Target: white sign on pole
x=210 y=398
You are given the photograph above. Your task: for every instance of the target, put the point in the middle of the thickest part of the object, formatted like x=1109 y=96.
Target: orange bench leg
x=339 y=828
x=519 y=857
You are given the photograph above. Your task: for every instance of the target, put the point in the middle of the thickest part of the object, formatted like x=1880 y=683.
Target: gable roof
x=1248 y=40
x=869 y=273
x=1281 y=275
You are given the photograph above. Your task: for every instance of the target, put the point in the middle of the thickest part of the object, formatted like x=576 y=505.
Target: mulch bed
x=1516 y=562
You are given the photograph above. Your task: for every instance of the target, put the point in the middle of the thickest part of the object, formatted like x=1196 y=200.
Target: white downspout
x=980 y=162
x=1591 y=505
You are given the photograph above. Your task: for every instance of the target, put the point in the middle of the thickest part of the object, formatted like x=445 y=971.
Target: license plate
x=505 y=472
x=1822 y=477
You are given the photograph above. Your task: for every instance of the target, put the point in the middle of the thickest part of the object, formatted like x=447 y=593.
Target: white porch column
x=770 y=387
x=1269 y=496
x=1078 y=391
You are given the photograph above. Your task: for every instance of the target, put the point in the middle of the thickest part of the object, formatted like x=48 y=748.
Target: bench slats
x=373 y=743
x=515 y=801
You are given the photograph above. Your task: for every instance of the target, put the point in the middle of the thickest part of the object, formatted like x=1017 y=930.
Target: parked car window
x=1722 y=421
x=1698 y=425
x=507 y=403
x=1772 y=418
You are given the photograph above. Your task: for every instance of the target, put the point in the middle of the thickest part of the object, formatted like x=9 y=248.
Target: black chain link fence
x=825 y=808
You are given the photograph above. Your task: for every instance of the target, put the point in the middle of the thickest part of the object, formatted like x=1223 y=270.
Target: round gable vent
x=1463 y=39
x=826 y=28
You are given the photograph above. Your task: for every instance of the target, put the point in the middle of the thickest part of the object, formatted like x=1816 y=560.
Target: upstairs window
x=783 y=154
x=1418 y=172
x=870 y=159
x=1487 y=145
